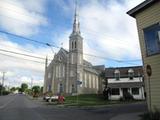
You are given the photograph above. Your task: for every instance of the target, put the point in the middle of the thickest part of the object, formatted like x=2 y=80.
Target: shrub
x=151 y=116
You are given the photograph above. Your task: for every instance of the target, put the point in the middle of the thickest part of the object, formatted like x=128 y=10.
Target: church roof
x=64 y=51
x=90 y=70
x=86 y=63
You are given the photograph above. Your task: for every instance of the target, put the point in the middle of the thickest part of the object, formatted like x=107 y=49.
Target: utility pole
x=31 y=82
x=3 y=78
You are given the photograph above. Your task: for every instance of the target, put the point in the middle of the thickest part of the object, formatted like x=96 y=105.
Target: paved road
x=19 y=107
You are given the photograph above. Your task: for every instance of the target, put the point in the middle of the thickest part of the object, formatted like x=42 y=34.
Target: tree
x=24 y=87
x=41 y=89
x=106 y=90
x=13 y=89
x=36 y=90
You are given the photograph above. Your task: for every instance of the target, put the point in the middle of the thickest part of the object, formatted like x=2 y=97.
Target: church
x=68 y=73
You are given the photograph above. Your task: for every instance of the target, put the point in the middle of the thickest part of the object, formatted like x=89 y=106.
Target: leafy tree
x=41 y=89
x=17 y=88
x=29 y=91
x=36 y=90
x=13 y=89
x=20 y=90
x=106 y=90
x=24 y=87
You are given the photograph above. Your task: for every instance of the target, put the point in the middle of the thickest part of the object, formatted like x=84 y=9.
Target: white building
x=124 y=80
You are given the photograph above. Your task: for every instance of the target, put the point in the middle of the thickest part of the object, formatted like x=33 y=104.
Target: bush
x=6 y=92
x=151 y=116
x=121 y=99
x=127 y=97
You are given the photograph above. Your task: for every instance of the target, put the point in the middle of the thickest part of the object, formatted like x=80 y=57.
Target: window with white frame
x=131 y=74
x=117 y=74
x=115 y=91
x=152 y=39
x=135 y=91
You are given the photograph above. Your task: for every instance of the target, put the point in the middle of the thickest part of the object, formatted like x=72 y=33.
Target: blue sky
x=107 y=30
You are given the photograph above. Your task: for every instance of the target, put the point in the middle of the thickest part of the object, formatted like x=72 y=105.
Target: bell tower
x=76 y=49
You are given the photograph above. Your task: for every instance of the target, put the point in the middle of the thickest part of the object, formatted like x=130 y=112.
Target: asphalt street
x=20 y=107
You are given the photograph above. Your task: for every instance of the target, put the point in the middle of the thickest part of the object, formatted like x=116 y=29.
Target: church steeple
x=76 y=24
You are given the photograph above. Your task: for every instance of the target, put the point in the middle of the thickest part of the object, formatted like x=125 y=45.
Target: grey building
x=69 y=73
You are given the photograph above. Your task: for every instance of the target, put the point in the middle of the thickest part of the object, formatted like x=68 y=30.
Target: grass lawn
x=90 y=100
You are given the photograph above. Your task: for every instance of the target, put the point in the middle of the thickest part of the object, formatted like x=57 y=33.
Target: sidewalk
x=129 y=116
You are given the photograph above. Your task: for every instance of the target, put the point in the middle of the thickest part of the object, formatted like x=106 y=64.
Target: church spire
x=76 y=24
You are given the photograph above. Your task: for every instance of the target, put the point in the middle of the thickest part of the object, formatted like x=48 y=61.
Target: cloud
x=19 y=16
x=107 y=30
x=20 y=68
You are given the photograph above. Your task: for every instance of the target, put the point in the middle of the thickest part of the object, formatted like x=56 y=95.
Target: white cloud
x=19 y=70
x=108 y=31
x=19 y=16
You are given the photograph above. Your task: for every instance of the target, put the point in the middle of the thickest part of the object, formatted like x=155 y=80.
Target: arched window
x=73 y=89
x=72 y=45
x=75 y=44
x=117 y=74
x=131 y=74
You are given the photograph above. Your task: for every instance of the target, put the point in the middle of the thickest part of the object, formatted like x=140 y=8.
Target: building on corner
x=124 y=80
x=147 y=15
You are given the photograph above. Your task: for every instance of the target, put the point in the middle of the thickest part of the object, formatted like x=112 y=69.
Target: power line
x=89 y=30
x=21 y=58
x=24 y=50
x=28 y=39
x=59 y=47
x=56 y=61
x=22 y=54
x=51 y=45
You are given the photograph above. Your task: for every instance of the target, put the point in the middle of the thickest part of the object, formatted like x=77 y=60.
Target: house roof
x=110 y=72
x=126 y=85
x=141 y=7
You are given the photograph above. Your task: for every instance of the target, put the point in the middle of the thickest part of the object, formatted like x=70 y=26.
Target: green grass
x=89 y=100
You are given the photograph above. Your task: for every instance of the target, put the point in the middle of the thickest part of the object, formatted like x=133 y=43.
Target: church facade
x=68 y=72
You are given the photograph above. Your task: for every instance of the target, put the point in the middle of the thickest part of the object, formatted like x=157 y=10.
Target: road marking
x=3 y=106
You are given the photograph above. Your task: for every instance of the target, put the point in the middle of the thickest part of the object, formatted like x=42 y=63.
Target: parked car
x=46 y=98
x=54 y=98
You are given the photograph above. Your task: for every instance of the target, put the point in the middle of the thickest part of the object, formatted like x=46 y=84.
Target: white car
x=46 y=98
x=54 y=98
